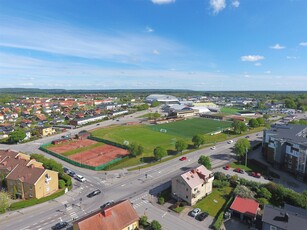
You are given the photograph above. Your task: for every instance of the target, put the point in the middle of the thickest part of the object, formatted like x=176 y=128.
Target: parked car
x=195 y=212
x=60 y=225
x=230 y=141
x=213 y=147
x=183 y=159
x=247 y=137
x=202 y=216
x=226 y=167
x=80 y=178
x=238 y=170
x=94 y=193
x=66 y=170
x=109 y=203
x=257 y=175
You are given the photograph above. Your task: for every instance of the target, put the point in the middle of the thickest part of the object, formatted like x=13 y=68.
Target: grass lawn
x=229 y=110
x=215 y=201
x=190 y=127
x=236 y=165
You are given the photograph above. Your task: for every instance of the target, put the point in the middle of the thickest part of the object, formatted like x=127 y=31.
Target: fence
x=96 y=168
x=108 y=142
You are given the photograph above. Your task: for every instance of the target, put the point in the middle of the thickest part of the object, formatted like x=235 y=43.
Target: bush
x=218 y=222
x=67 y=179
x=161 y=200
x=31 y=202
x=61 y=184
x=144 y=221
x=220 y=184
x=155 y=225
x=219 y=176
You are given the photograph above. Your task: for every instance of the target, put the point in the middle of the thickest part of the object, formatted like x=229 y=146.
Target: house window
x=273 y=227
x=195 y=189
x=187 y=189
x=187 y=197
x=31 y=187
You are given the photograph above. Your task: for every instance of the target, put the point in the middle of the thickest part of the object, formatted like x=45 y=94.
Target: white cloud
x=235 y=3
x=303 y=44
x=149 y=29
x=160 y=2
x=277 y=47
x=252 y=58
x=292 y=57
x=258 y=64
x=119 y=47
x=217 y=5
x=268 y=72
x=156 y=52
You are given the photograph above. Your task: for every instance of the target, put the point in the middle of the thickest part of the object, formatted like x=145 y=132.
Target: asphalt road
x=115 y=186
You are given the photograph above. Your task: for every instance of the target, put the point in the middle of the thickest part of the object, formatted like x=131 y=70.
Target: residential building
x=287 y=218
x=46 y=131
x=119 y=216
x=285 y=146
x=26 y=178
x=244 y=208
x=193 y=185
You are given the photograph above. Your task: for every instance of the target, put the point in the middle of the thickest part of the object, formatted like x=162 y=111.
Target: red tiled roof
x=245 y=206
x=115 y=217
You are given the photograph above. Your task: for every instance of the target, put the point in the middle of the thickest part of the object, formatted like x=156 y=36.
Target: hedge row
x=218 y=221
x=34 y=201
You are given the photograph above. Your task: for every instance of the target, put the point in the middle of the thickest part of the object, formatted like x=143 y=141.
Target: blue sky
x=154 y=44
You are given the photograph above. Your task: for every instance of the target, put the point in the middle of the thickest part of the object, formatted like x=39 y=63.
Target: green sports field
x=189 y=128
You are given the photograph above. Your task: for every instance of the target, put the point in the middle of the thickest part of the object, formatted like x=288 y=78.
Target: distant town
x=153 y=160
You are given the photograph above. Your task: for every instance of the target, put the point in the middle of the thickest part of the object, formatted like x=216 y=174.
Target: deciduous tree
x=198 y=140
x=205 y=161
x=159 y=152
x=181 y=145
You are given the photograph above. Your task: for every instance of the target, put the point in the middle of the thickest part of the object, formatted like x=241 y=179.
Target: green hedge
x=218 y=221
x=34 y=201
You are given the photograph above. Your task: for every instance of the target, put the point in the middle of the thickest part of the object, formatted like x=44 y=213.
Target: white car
x=195 y=212
x=80 y=178
x=230 y=141
x=213 y=147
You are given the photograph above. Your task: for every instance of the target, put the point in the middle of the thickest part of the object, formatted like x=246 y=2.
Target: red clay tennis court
x=71 y=145
x=99 y=155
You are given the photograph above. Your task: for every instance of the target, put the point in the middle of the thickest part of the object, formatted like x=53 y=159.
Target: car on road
x=230 y=141
x=94 y=193
x=72 y=173
x=97 y=124
x=238 y=170
x=195 y=212
x=79 y=178
x=66 y=170
x=109 y=203
x=247 y=137
x=183 y=159
x=213 y=147
x=226 y=167
x=202 y=216
x=60 y=225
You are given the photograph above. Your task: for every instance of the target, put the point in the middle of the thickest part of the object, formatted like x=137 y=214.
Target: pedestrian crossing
x=140 y=200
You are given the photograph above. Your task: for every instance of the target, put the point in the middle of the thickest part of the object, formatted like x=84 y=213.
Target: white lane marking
x=123 y=185
x=164 y=214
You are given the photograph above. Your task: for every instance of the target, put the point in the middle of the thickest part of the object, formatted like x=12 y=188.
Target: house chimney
x=107 y=212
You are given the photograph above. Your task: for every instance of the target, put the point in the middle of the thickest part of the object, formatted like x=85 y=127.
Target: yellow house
x=119 y=216
x=26 y=178
x=46 y=131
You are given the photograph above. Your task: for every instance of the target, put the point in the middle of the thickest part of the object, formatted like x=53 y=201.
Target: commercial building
x=285 y=147
x=26 y=178
x=162 y=98
x=193 y=185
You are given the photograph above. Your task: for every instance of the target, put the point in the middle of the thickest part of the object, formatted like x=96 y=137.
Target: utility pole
x=245 y=157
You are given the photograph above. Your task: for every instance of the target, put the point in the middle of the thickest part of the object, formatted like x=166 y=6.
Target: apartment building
x=285 y=147
x=26 y=178
x=193 y=185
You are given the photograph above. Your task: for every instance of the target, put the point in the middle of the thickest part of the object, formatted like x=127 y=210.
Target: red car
x=257 y=175
x=238 y=170
x=183 y=158
x=227 y=167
